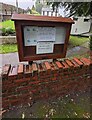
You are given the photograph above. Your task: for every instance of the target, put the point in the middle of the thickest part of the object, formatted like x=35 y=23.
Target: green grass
x=8 y=48
x=86 y=55
x=77 y=40
x=7 y=24
x=74 y=41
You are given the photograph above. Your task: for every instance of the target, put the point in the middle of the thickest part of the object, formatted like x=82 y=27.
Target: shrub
x=3 y=31
x=7 y=31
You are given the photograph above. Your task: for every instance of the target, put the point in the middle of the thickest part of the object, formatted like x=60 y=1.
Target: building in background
x=82 y=25
x=48 y=11
x=7 y=10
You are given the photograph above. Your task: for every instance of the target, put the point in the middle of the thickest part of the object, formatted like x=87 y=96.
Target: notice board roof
x=22 y=17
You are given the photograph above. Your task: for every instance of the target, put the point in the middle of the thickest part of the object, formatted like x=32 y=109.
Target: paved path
x=79 y=50
x=87 y=44
x=12 y=58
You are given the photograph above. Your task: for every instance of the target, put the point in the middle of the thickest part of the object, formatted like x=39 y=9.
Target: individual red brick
x=43 y=66
x=4 y=98
x=78 y=61
x=59 y=65
x=47 y=64
x=34 y=78
x=75 y=64
x=22 y=80
x=13 y=72
x=28 y=71
x=40 y=67
x=54 y=78
x=25 y=96
x=69 y=63
x=34 y=91
x=41 y=70
x=23 y=88
x=20 y=70
x=65 y=64
x=53 y=66
x=12 y=97
x=85 y=61
x=15 y=102
x=44 y=79
x=5 y=70
x=34 y=67
x=35 y=82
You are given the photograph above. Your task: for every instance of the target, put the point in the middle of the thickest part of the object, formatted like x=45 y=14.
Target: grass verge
x=7 y=24
x=8 y=48
x=74 y=41
x=77 y=41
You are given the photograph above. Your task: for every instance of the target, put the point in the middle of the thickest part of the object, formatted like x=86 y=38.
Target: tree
x=34 y=12
x=76 y=8
x=39 y=6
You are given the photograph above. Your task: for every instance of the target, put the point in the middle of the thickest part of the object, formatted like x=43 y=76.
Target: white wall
x=80 y=26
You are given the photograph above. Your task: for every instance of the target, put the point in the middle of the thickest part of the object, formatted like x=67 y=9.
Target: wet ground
x=75 y=105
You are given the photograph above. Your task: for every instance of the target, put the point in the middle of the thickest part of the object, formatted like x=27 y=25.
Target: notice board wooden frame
x=25 y=52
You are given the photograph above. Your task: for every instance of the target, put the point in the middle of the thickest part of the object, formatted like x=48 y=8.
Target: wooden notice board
x=41 y=37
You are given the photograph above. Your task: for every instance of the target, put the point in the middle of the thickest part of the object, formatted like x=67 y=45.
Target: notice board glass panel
x=44 y=39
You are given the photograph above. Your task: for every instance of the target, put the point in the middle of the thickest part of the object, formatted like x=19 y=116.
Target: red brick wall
x=25 y=83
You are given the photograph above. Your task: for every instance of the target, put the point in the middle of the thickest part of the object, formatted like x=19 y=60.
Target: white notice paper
x=30 y=35
x=46 y=34
x=44 y=47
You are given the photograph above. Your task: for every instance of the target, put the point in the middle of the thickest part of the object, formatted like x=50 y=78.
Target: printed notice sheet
x=35 y=34
x=46 y=34
x=30 y=35
x=44 y=47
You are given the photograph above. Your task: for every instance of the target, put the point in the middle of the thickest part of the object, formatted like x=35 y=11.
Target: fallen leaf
x=46 y=115
x=67 y=116
x=75 y=113
x=23 y=115
x=1 y=112
x=29 y=104
x=72 y=100
x=86 y=115
x=66 y=95
x=52 y=111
